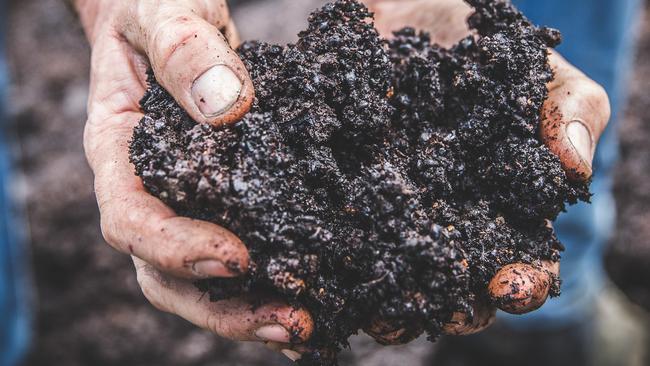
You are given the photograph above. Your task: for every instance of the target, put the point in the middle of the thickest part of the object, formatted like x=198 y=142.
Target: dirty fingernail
x=211 y=268
x=273 y=333
x=216 y=90
x=580 y=138
x=292 y=355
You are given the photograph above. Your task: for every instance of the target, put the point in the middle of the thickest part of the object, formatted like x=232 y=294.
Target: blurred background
x=90 y=310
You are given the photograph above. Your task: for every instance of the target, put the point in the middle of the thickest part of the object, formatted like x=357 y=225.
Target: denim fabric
x=14 y=309
x=598 y=39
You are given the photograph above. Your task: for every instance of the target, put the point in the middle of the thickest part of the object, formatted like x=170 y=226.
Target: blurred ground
x=629 y=259
x=90 y=310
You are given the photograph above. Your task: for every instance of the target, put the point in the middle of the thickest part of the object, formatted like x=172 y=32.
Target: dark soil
x=629 y=253
x=372 y=177
x=90 y=310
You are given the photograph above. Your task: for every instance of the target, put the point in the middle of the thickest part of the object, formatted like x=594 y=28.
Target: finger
x=192 y=59
x=137 y=223
x=295 y=352
x=388 y=332
x=238 y=319
x=574 y=116
x=232 y=35
x=521 y=288
x=285 y=349
x=465 y=324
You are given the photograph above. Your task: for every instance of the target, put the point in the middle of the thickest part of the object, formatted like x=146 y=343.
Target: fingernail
x=291 y=354
x=216 y=90
x=580 y=138
x=211 y=268
x=273 y=333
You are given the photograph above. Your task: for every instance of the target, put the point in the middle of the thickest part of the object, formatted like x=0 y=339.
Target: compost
x=373 y=178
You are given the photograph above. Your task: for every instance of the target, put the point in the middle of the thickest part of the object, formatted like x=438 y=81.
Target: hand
x=186 y=44
x=573 y=118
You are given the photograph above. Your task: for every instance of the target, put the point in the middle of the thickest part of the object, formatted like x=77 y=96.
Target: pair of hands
x=188 y=44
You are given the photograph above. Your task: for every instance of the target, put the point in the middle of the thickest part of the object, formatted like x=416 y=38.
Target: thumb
x=192 y=59
x=575 y=115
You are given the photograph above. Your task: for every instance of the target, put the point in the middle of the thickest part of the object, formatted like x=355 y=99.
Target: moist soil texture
x=373 y=178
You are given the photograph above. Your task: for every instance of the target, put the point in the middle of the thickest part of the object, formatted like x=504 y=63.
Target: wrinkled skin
x=126 y=38
x=169 y=252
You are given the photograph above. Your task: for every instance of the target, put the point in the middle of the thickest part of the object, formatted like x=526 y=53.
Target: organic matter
x=372 y=177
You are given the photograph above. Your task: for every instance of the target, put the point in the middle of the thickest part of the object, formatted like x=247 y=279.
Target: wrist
x=93 y=14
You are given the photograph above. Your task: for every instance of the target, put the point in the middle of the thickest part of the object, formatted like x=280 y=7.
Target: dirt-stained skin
x=380 y=185
x=481 y=317
x=393 y=332
x=520 y=289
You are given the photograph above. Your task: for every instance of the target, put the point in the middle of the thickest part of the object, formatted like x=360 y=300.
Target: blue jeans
x=599 y=40
x=14 y=308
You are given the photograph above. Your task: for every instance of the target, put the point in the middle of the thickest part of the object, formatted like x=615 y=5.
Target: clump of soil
x=372 y=177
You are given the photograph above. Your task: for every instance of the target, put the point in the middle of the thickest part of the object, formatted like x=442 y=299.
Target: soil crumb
x=373 y=178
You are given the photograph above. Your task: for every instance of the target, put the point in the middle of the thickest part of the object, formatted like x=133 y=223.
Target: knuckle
x=121 y=224
x=595 y=93
x=600 y=100
x=107 y=231
x=107 y=220
x=170 y=37
x=599 y=94
x=132 y=216
x=594 y=96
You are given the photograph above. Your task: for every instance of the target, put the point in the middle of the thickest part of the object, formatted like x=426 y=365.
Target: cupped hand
x=573 y=118
x=186 y=42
